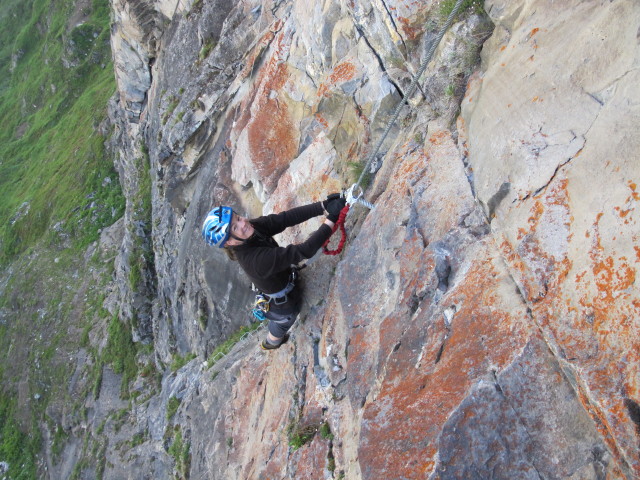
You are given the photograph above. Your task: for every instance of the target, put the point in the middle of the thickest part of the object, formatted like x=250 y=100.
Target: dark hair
x=230 y=253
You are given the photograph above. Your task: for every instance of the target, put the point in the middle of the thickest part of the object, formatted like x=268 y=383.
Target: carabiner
x=351 y=197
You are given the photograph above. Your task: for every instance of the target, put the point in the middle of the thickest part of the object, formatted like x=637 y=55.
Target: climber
x=272 y=268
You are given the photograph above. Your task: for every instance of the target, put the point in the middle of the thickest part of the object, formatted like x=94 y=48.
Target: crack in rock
x=393 y=23
x=576 y=145
x=378 y=57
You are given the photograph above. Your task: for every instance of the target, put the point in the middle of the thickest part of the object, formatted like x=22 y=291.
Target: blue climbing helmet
x=215 y=229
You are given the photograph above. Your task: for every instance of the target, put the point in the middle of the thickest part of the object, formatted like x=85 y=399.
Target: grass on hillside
x=57 y=79
x=58 y=189
x=16 y=448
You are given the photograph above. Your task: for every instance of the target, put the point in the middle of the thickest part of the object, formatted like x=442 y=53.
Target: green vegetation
x=179 y=451
x=141 y=256
x=119 y=418
x=149 y=370
x=206 y=49
x=59 y=438
x=58 y=190
x=179 y=361
x=446 y=7
x=172 y=407
x=355 y=170
x=450 y=90
x=325 y=431
x=16 y=448
x=120 y=353
x=300 y=435
x=196 y=7
x=331 y=461
x=229 y=344
x=53 y=95
x=202 y=322
x=138 y=439
x=173 y=103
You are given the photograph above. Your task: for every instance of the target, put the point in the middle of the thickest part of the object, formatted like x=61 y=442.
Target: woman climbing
x=272 y=268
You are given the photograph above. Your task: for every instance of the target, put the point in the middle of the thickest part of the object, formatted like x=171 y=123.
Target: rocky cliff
x=483 y=319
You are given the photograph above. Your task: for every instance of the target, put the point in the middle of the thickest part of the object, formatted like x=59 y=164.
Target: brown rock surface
x=566 y=223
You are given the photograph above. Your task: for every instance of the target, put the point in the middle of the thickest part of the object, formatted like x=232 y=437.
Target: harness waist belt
x=281 y=294
x=280 y=297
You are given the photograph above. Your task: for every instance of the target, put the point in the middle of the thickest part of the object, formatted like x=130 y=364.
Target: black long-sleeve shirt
x=266 y=263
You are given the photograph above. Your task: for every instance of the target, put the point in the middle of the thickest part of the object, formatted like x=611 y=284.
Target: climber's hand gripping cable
x=337 y=207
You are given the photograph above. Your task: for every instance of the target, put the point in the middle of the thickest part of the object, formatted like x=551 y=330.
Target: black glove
x=334 y=207
x=330 y=197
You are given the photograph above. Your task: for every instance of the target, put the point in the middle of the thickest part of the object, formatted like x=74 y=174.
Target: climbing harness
x=264 y=300
x=350 y=195
x=280 y=298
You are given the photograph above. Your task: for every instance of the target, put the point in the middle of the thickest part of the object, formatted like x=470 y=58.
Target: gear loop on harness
x=260 y=307
x=263 y=300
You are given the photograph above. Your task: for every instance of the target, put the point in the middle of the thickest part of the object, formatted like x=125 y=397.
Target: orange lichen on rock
x=593 y=318
x=408 y=29
x=271 y=133
x=431 y=370
x=439 y=137
x=521 y=233
x=322 y=121
x=271 y=77
x=412 y=167
x=601 y=425
x=539 y=256
x=342 y=72
x=537 y=210
x=251 y=387
x=611 y=277
x=313 y=459
x=272 y=137
x=622 y=213
x=257 y=50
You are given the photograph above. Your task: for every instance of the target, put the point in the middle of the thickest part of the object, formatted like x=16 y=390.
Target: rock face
x=483 y=319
